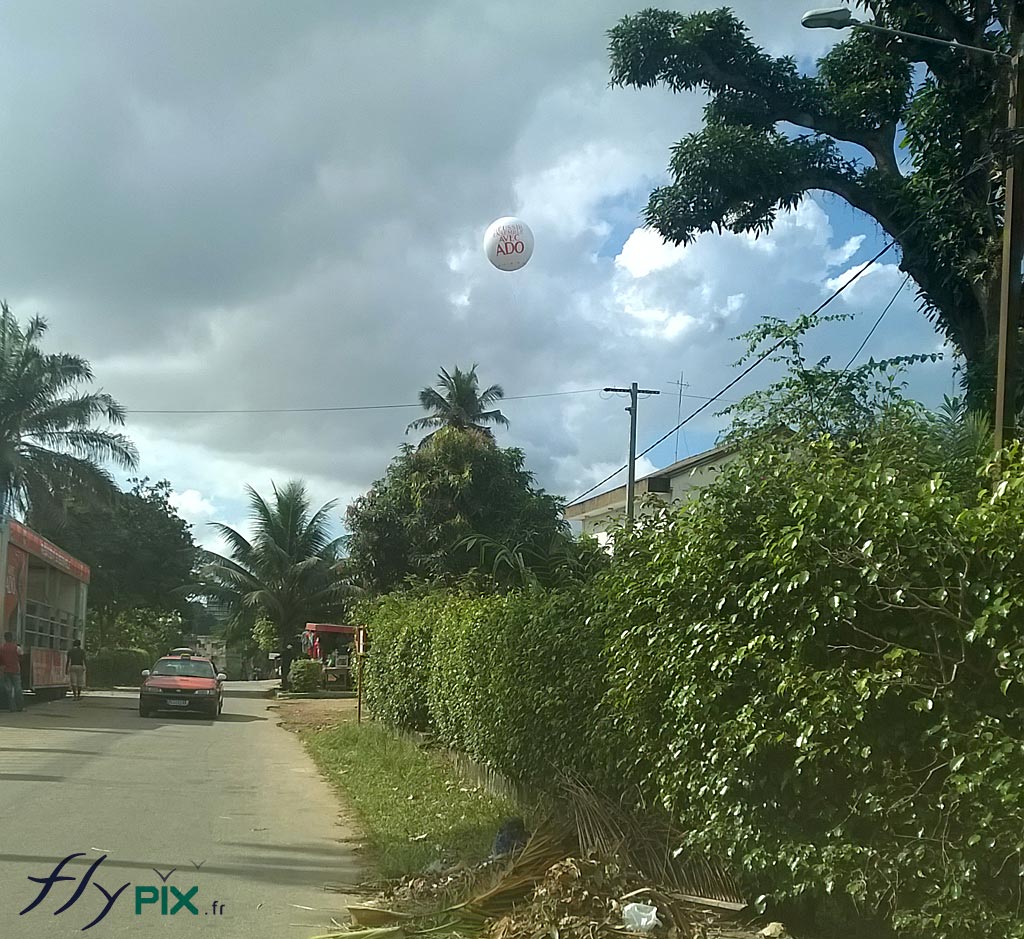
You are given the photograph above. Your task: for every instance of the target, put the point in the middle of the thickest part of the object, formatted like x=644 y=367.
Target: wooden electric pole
x=633 y=391
x=1013 y=251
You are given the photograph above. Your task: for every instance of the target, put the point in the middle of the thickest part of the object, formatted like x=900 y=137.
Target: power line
x=864 y=342
x=881 y=316
x=341 y=407
x=741 y=375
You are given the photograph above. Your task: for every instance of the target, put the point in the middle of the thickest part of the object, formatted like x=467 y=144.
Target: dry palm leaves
x=544 y=893
x=605 y=829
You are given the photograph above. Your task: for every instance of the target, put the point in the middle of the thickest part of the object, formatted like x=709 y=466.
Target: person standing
x=76 y=666
x=10 y=672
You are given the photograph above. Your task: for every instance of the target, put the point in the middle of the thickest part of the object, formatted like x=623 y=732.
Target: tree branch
x=879 y=141
x=895 y=223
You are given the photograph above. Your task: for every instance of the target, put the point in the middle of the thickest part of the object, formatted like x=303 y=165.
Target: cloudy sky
x=244 y=205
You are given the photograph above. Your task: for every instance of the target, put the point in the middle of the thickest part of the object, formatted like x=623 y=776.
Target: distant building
x=673 y=484
x=218 y=609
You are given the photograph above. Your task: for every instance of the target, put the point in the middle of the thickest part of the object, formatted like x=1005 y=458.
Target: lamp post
x=1013 y=215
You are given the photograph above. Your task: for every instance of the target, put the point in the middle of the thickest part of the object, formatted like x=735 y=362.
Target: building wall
x=684 y=486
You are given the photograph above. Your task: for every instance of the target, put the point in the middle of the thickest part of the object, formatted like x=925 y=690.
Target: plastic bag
x=639 y=917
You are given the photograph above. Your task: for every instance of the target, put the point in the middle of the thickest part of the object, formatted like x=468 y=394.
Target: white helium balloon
x=508 y=243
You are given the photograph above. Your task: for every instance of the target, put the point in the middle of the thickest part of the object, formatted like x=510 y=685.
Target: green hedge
x=109 y=667
x=516 y=680
x=817 y=667
x=396 y=671
x=305 y=676
x=821 y=669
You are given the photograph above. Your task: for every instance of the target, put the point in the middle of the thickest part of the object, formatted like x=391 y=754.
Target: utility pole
x=1013 y=252
x=633 y=391
x=679 y=413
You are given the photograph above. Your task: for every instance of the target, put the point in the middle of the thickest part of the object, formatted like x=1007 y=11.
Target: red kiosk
x=320 y=639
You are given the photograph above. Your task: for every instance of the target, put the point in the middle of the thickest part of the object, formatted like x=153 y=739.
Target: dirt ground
x=313 y=713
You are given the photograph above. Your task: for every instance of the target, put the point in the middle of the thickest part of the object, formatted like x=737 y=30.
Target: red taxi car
x=182 y=683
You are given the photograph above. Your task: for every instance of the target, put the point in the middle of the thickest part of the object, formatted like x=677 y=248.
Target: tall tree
x=49 y=444
x=140 y=551
x=417 y=519
x=460 y=404
x=943 y=204
x=287 y=573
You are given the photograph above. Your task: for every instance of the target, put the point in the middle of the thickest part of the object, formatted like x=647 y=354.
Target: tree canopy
x=460 y=404
x=415 y=520
x=872 y=96
x=286 y=573
x=50 y=446
x=140 y=551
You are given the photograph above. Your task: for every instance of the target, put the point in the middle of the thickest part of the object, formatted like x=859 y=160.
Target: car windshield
x=185 y=668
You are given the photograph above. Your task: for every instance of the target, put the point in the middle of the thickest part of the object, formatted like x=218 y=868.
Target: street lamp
x=829 y=18
x=1013 y=215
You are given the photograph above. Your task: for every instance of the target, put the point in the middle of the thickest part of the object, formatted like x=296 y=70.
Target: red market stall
x=320 y=640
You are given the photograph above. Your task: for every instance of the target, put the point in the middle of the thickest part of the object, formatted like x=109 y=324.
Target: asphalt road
x=233 y=808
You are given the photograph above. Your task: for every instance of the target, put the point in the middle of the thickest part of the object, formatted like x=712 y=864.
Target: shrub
x=821 y=669
x=515 y=681
x=305 y=676
x=395 y=674
x=109 y=667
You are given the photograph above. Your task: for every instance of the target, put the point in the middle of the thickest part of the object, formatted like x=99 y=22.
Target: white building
x=673 y=484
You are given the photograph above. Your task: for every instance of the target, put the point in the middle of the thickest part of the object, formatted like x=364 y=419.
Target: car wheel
x=145 y=712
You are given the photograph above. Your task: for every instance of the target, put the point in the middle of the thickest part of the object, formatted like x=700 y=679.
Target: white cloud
x=192 y=506
x=646 y=251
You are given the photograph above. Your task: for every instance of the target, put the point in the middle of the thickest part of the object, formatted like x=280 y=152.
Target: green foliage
x=50 y=448
x=745 y=166
x=460 y=404
x=264 y=635
x=139 y=549
x=515 y=680
x=432 y=498
x=813 y=399
x=109 y=667
x=305 y=676
x=512 y=679
x=140 y=628
x=287 y=575
x=558 y=562
x=820 y=669
x=400 y=628
x=815 y=667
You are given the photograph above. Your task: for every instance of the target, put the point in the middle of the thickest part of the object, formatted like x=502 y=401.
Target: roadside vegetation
x=412 y=805
x=813 y=669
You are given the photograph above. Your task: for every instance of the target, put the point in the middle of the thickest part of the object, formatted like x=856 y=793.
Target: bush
x=109 y=667
x=516 y=680
x=395 y=674
x=305 y=676
x=816 y=667
x=512 y=679
x=821 y=666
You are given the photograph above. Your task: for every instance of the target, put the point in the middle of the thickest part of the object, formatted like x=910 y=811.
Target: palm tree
x=48 y=444
x=460 y=404
x=287 y=573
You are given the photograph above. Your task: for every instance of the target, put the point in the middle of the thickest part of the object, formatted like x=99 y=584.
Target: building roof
x=658 y=481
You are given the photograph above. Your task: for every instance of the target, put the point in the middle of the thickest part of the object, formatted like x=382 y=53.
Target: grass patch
x=413 y=806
